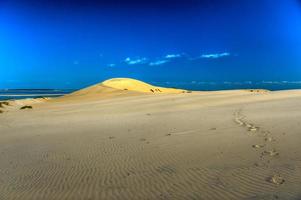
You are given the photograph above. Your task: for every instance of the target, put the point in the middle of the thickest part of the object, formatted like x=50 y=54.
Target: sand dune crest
x=139 y=86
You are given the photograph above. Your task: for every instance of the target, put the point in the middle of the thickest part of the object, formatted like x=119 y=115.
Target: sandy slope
x=200 y=145
x=139 y=86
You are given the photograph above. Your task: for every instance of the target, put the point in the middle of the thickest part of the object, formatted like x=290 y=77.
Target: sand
x=139 y=86
x=109 y=143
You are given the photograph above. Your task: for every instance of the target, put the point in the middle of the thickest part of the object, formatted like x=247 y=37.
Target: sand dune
x=200 y=145
x=117 y=87
x=139 y=86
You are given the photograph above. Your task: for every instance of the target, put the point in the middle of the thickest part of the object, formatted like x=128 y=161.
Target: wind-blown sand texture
x=105 y=142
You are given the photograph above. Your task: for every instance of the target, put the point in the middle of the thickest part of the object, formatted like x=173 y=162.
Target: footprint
x=168 y=134
x=269 y=139
x=270 y=153
x=249 y=125
x=276 y=179
x=238 y=121
x=252 y=128
x=257 y=146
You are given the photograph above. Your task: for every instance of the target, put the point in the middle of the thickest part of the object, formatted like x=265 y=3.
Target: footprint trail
x=268 y=152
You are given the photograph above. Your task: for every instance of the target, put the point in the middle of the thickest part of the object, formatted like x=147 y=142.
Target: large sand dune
x=200 y=145
x=117 y=87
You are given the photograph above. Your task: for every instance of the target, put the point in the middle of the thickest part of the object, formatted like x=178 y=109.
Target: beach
x=135 y=141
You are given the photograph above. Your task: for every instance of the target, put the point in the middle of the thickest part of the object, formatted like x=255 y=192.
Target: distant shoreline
x=29 y=95
x=194 y=85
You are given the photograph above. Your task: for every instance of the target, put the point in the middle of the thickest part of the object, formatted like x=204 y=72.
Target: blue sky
x=72 y=44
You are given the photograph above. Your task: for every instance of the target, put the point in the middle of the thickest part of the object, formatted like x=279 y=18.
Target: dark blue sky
x=72 y=44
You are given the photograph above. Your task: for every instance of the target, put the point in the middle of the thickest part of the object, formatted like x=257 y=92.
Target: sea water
x=10 y=94
x=213 y=86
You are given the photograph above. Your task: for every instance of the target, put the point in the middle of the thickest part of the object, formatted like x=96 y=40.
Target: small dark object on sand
x=125 y=89
x=168 y=134
x=26 y=107
x=152 y=90
x=4 y=103
x=1 y=111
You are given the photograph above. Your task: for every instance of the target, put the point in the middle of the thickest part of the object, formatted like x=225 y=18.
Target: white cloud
x=170 y=56
x=111 y=65
x=165 y=59
x=158 y=62
x=216 y=55
x=137 y=61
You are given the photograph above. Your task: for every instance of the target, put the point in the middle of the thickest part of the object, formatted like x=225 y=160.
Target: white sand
x=105 y=143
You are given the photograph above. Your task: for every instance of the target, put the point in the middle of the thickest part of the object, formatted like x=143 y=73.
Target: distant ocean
x=7 y=94
x=212 y=86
